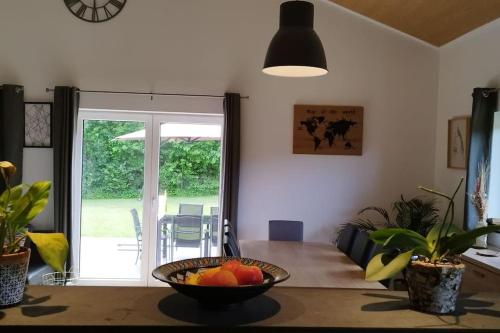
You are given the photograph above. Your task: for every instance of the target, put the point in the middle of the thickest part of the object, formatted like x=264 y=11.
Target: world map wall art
x=328 y=130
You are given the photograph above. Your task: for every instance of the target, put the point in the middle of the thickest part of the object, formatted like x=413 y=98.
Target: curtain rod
x=486 y=93
x=18 y=89
x=148 y=94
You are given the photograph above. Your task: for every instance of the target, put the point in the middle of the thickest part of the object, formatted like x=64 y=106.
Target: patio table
x=164 y=230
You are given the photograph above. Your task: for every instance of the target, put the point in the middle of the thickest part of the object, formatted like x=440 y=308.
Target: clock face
x=95 y=10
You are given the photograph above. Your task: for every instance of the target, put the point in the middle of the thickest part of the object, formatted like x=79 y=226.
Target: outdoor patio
x=108 y=248
x=115 y=257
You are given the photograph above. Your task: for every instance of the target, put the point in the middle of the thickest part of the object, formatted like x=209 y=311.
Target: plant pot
x=434 y=288
x=13 y=268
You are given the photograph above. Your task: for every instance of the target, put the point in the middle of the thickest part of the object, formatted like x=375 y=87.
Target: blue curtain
x=484 y=105
x=231 y=159
x=12 y=129
x=66 y=104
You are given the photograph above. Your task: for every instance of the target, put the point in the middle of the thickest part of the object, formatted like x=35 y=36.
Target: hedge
x=113 y=169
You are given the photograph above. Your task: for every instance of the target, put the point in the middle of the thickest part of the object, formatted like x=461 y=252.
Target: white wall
x=464 y=64
x=219 y=45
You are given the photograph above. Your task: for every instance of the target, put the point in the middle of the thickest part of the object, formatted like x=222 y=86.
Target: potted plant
x=417 y=214
x=18 y=206
x=433 y=265
x=479 y=199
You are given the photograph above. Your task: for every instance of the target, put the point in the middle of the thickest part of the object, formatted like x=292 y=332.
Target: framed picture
x=328 y=130
x=38 y=125
x=458 y=142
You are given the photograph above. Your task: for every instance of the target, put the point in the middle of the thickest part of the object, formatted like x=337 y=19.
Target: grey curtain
x=231 y=159
x=66 y=104
x=12 y=129
x=484 y=105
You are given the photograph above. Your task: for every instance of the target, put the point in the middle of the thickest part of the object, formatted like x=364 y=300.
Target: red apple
x=231 y=265
x=249 y=275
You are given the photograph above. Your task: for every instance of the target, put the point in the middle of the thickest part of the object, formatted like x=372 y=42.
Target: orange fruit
x=231 y=265
x=249 y=275
x=206 y=276
x=224 y=278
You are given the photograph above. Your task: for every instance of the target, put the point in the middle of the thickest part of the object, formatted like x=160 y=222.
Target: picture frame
x=458 y=142
x=38 y=119
x=328 y=130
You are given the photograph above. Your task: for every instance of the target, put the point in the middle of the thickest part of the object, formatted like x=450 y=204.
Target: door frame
x=158 y=119
x=152 y=122
x=111 y=115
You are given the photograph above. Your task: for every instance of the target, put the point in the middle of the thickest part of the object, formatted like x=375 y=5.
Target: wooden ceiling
x=434 y=21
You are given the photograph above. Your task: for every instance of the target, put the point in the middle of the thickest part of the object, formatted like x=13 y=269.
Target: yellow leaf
x=53 y=248
x=377 y=271
x=8 y=168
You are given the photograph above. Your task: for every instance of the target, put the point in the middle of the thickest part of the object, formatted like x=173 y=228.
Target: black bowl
x=175 y=272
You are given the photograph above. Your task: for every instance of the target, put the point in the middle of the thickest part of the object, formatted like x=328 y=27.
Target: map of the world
x=328 y=130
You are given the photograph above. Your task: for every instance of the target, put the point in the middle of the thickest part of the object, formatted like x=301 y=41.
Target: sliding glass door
x=187 y=208
x=148 y=193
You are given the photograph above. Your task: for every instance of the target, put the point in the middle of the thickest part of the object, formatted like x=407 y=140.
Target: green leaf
x=377 y=271
x=381 y=236
x=53 y=248
x=433 y=234
x=404 y=242
x=460 y=243
x=15 y=194
x=31 y=204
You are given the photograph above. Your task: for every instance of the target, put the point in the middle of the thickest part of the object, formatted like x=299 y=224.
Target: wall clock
x=95 y=11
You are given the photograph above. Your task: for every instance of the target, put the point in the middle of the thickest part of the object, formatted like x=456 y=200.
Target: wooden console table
x=481 y=273
x=119 y=309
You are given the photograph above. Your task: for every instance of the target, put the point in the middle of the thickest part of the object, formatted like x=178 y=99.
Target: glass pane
x=494 y=185
x=188 y=205
x=112 y=191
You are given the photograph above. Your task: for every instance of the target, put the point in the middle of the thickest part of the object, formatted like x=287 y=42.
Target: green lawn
x=112 y=218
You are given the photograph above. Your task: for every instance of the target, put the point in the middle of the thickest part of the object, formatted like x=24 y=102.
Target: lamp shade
x=296 y=50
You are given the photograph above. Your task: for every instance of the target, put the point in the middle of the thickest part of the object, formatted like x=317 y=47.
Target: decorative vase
x=481 y=241
x=434 y=288
x=13 y=269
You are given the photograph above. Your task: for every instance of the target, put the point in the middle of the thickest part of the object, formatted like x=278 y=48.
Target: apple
x=231 y=265
x=249 y=275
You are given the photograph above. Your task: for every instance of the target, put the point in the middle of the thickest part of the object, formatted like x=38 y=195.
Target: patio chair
x=191 y=209
x=138 y=234
x=231 y=248
x=187 y=231
x=214 y=225
x=281 y=230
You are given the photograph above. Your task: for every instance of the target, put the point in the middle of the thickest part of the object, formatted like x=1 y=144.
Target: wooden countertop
x=310 y=264
x=82 y=309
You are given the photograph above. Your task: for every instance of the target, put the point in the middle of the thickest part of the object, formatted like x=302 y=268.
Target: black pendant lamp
x=296 y=50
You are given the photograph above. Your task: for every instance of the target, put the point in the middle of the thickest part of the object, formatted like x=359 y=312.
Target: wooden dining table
x=315 y=265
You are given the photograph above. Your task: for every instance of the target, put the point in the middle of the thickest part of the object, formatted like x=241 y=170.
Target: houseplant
x=18 y=206
x=433 y=265
x=417 y=214
x=479 y=199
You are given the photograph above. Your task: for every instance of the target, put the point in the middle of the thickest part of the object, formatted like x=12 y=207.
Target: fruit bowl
x=175 y=272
